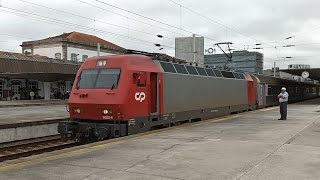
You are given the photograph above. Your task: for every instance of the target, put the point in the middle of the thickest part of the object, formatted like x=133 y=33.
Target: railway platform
x=252 y=145
x=23 y=103
x=24 y=122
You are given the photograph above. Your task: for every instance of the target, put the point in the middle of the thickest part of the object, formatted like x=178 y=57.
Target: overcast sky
x=243 y=22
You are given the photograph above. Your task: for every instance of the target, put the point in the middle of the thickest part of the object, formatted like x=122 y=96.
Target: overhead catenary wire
x=141 y=22
x=149 y=44
x=148 y=18
x=85 y=17
x=74 y=24
x=41 y=18
x=137 y=14
x=80 y=26
x=10 y=35
x=145 y=17
x=215 y=21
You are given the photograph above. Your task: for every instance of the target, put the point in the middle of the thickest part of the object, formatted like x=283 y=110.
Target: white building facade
x=73 y=46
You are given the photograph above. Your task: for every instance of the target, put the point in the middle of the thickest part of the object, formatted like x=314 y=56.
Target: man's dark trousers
x=283 y=110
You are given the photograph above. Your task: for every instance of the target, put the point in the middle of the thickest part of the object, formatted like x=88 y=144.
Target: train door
x=153 y=92
x=153 y=97
x=262 y=95
x=1 y=89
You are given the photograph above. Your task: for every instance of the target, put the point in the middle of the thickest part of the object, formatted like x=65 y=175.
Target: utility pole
x=194 y=48
x=98 y=50
x=274 y=69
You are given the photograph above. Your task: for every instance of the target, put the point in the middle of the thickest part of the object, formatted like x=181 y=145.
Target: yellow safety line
x=63 y=155
x=268 y=109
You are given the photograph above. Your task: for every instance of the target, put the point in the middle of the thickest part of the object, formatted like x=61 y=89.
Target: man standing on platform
x=32 y=95
x=283 y=100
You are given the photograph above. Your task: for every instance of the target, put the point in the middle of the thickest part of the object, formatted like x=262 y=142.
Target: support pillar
x=46 y=90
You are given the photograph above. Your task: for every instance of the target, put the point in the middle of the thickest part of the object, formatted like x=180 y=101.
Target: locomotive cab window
x=99 y=79
x=168 y=67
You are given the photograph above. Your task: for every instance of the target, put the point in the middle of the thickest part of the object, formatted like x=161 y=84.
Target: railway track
x=24 y=148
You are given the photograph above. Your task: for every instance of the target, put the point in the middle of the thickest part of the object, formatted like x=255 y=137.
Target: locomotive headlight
x=107 y=112
x=101 y=63
x=76 y=110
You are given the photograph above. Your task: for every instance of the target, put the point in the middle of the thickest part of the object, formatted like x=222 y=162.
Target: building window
x=33 y=85
x=84 y=57
x=1 y=89
x=16 y=87
x=57 y=55
x=74 y=57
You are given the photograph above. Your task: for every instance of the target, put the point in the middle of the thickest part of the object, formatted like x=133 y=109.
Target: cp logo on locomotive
x=140 y=96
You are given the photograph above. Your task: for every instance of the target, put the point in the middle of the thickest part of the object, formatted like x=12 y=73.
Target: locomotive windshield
x=99 y=79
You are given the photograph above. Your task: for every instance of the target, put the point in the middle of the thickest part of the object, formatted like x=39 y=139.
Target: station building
x=48 y=66
x=244 y=61
x=73 y=46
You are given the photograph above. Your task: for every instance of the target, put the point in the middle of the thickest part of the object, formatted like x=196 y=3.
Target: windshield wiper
x=77 y=86
x=115 y=83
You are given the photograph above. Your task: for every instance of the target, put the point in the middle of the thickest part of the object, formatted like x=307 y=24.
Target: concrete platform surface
x=20 y=103
x=252 y=145
x=14 y=115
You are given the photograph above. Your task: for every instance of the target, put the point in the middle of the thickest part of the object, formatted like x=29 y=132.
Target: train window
x=237 y=75
x=227 y=74
x=87 y=79
x=201 y=71
x=218 y=73
x=192 y=70
x=102 y=78
x=210 y=72
x=180 y=68
x=242 y=76
x=168 y=67
x=270 y=91
x=108 y=78
x=141 y=79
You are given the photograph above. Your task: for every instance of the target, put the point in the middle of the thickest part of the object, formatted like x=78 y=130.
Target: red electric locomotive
x=119 y=95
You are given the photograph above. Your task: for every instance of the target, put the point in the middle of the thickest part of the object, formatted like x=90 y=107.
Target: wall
x=89 y=53
x=184 y=49
x=48 y=50
x=27 y=132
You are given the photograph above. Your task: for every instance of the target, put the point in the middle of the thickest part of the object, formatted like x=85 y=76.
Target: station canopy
x=314 y=73
x=19 y=66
